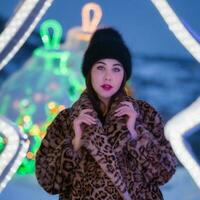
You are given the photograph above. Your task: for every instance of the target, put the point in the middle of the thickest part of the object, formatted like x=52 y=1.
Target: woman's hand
x=82 y=118
x=128 y=109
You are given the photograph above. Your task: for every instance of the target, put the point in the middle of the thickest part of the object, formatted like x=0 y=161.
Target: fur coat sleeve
x=151 y=149
x=55 y=151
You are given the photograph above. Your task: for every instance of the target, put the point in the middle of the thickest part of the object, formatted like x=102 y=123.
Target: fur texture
x=110 y=165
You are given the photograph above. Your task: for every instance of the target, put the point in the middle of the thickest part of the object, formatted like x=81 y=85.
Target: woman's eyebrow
x=100 y=62
x=117 y=64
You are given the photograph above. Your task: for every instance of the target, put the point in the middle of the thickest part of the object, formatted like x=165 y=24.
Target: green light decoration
x=48 y=41
x=46 y=84
x=50 y=54
x=2 y=143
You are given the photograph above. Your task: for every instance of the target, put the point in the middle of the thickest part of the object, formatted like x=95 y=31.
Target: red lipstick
x=106 y=87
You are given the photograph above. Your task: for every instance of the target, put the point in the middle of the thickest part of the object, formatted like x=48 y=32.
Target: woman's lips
x=106 y=87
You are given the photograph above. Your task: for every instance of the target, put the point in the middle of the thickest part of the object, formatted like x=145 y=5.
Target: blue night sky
x=138 y=20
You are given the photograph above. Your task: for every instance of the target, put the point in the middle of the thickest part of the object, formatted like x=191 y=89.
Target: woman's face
x=106 y=77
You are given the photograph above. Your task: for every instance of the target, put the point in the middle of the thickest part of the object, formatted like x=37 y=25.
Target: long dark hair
x=96 y=102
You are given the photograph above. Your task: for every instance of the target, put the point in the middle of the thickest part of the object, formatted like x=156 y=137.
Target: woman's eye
x=100 y=67
x=116 y=69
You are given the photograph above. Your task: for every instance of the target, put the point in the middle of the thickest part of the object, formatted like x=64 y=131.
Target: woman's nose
x=107 y=76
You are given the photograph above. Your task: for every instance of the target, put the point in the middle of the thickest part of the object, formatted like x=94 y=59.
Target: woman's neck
x=103 y=108
x=104 y=104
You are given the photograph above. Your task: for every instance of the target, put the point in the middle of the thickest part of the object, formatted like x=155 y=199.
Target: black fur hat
x=107 y=43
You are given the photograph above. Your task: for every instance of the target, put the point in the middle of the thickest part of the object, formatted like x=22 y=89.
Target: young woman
x=108 y=145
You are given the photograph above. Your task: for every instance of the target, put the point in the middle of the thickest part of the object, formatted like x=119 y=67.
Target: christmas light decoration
x=186 y=120
x=38 y=91
x=91 y=14
x=175 y=129
x=15 y=149
x=20 y=27
x=90 y=24
x=177 y=27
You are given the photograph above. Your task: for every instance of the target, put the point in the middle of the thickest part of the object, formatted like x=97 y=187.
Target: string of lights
x=176 y=128
x=17 y=144
x=20 y=27
x=177 y=27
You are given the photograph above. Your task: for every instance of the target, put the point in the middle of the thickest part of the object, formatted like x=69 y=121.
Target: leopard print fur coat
x=110 y=165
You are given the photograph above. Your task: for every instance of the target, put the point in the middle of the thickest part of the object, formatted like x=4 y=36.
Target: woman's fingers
x=87 y=121
x=83 y=118
x=126 y=103
x=88 y=116
x=125 y=110
x=121 y=108
x=122 y=112
x=85 y=111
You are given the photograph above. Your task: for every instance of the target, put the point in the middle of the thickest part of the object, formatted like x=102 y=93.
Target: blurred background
x=41 y=47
